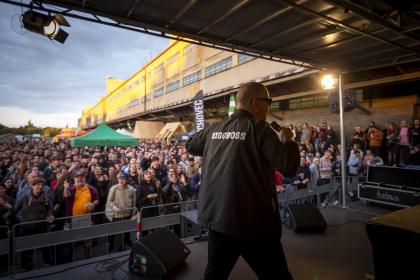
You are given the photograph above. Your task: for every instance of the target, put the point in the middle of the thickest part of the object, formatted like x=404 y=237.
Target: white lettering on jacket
x=229 y=135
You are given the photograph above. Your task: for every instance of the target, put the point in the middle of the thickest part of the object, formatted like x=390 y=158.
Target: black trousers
x=264 y=256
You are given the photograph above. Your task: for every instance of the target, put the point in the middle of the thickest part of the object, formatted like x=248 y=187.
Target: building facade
x=164 y=88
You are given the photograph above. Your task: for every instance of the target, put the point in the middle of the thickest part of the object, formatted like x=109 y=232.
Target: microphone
x=274 y=125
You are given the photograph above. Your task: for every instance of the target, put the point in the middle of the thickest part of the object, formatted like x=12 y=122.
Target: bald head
x=250 y=91
x=253 y=97
x=31 y=177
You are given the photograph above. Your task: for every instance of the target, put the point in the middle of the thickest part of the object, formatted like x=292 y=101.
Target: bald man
x=238 y=198
x=30 y=178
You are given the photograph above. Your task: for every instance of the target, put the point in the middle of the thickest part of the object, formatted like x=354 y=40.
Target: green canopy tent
x=103 y=135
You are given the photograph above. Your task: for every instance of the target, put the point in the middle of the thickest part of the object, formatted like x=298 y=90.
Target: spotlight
x=46 y=25
x=328 y=82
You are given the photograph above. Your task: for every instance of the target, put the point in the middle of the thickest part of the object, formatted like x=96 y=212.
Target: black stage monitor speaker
x=157 y=253
x=304 y=218
x=349 y=100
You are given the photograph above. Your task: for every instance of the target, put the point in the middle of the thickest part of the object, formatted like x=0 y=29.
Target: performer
x=238 y=199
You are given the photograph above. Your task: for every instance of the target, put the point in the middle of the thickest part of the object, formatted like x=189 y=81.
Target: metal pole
x=343 y=142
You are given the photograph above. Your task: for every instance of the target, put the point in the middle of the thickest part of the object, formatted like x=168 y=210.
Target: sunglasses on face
x=268 y=100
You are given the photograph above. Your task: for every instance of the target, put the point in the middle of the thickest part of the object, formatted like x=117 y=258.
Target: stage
x=342 y=252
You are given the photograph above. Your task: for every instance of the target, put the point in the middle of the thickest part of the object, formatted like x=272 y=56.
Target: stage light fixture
x=47 y=25
x=328 y=82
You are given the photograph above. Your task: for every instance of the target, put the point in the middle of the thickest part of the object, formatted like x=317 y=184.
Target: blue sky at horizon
x=49 y=82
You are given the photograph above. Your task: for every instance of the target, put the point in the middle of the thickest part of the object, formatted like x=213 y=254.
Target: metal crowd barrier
x=33 y=242
x=5 y=244
x=165 y=219
x=311 y=190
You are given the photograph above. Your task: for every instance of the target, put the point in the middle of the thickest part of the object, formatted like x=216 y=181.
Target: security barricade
x=165 y=219
x=80 y=233
x=309 y=192
x=5 y=243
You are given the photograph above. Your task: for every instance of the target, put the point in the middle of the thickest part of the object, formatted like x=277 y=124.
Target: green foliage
x=29 y=129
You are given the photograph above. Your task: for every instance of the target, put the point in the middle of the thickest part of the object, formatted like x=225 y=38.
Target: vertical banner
x=232 y=105
x=198 y=105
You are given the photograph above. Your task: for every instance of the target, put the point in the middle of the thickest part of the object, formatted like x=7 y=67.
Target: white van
x=37 y=137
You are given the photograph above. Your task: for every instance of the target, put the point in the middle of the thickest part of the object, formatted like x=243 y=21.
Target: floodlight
x=328 y=82
x=46 y=25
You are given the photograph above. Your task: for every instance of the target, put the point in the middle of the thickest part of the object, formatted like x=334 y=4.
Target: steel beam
x=312 y=12
x=297 y=26
x=264 y=20
x=326 y=32
x=231 y=10
x=358 y=11
x=133 y=6
x=180 y=12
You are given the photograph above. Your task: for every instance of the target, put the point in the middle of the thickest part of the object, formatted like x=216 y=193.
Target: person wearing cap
x=122 y=196
x=35 y=206
x=27 y=188
x=80 y=199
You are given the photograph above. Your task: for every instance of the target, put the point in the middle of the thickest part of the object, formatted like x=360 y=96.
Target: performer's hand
x=285 y=134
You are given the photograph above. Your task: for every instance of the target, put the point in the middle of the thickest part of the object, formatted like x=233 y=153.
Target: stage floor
x=342 y=252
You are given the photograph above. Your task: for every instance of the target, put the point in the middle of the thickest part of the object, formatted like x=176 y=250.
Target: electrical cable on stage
x=362 y=222
x=112 y=266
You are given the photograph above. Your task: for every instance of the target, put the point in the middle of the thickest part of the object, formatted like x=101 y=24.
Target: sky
x=49 y=82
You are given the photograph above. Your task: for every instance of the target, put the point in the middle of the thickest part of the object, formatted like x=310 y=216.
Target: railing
x=72 y=235
x=5 y=244
x=33 y=242
x=165 y=219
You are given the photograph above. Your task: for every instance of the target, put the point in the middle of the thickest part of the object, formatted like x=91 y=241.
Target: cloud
x=14 y=116
x=40 y=76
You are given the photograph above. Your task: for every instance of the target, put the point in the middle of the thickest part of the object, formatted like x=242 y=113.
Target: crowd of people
x=41 y=183
x=44 y=185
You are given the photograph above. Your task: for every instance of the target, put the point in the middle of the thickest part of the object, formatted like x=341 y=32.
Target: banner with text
x=198 y=105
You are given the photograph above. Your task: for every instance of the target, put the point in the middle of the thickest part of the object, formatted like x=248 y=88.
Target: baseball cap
x=79 y=173
x=123 y=176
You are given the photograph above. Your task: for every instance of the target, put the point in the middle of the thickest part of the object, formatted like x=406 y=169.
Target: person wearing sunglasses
x=238 y=196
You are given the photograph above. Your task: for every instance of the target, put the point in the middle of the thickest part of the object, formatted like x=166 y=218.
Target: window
x=148 y=96
x=194 y=77
x=159 y=68
x=143 y=99
x=172 y=86
x=149 y=74
x=172 y=59
x=123 y=91
x=242 y=58
x=219 y=67
x=136 y=83
x=130 y=104
x=308 y=102
x=189 y=48
x=129 y=87
x=157 y=93
x=143 y=78
x=135 y=102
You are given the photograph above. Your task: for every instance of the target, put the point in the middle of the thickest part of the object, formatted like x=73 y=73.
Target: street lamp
x=328 y=82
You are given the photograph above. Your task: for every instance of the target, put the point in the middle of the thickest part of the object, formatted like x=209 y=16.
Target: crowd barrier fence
x=54 y=238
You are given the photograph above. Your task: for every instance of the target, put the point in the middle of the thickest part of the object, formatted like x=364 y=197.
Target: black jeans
x=264 y=256
x=26 y=231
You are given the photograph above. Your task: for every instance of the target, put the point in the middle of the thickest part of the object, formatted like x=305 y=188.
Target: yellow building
x=163 y=90
x=174 y=77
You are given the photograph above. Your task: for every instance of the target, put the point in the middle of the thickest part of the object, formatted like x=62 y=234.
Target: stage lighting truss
x=47 y=25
